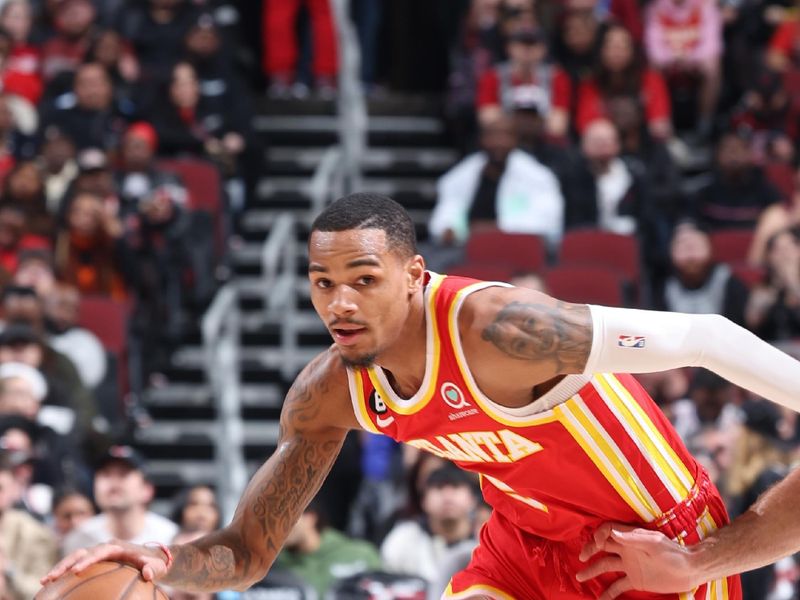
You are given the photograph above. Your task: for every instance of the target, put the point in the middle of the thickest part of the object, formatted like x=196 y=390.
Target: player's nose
x=342 y=302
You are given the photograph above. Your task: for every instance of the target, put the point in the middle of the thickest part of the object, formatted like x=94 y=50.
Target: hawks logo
x=453 y=396
x=379 y=407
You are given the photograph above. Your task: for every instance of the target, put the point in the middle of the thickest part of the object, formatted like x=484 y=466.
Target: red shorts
x=512 y=564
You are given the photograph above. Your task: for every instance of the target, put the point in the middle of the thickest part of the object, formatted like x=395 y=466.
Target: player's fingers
x=620 y=586
x=636 y=537
x=607 y=564
x=63 y=566
x=96 y=554
x=595 y=545
x=153 y=569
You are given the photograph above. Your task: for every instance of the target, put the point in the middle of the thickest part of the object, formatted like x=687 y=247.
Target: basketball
x=105 y=580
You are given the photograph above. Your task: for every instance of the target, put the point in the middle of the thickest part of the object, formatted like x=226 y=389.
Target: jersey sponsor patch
x=631 y=341
x=453 y=396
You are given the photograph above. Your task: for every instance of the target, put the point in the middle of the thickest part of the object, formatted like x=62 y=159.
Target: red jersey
x=593 y=449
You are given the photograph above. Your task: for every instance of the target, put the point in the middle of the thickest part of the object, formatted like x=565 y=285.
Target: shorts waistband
x=682 y=518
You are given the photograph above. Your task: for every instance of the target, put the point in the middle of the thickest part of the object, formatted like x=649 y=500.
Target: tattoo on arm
x=560 y=333
x=272 y=502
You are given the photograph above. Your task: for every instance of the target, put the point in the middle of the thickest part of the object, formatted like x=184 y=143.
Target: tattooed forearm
x=561 y=333
x=278 y=493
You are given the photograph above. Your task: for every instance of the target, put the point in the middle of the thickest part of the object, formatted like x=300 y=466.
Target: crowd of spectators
x=662 y=121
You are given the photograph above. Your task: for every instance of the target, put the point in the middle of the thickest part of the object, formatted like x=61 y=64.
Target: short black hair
x=371 y=211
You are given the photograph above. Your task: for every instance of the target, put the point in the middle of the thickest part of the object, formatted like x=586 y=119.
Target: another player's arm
x=534 y=337
x=651 y=562
x=314 y=422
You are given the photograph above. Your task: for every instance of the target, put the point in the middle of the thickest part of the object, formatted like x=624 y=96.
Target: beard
x=359 y=362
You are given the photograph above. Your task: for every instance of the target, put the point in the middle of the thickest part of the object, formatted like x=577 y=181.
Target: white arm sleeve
x=642 y=341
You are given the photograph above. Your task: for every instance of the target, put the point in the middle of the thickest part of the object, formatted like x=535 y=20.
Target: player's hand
x=648 y=560
x=149 y=560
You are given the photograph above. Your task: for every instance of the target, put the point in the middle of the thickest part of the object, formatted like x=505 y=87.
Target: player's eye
x=323 y=283
x=366 y=280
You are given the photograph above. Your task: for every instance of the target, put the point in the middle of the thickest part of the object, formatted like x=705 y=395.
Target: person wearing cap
x=22 y=341
x=526 y=80
x=449 y=500
x=138 y=177
x=122 y=491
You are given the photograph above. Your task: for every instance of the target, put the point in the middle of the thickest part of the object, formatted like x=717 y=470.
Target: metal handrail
x=352 y=107
x=221 y=330
x=279 y=286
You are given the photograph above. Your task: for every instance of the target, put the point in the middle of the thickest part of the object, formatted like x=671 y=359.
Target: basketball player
x=530 y=392
x=650 y=561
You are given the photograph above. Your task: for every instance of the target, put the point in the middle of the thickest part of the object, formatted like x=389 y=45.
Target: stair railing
x=221 y=327
x=279 y=286
x=352 y=107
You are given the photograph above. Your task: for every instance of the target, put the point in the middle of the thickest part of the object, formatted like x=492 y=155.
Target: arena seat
x=520 y=252
x=749 y=275
x=203 y=182
x=108 y=320
x=483 y=270
x=593 y=247
x=586 y=284
x=731 y=245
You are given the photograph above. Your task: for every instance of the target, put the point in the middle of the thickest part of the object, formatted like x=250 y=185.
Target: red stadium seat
x=203 y=182
x=731 y=245
x=782 y=176
x=108 y=320
x=484 y=271
x=586 y=284
x=749 y=275
x=517 y=251
x=592 y=247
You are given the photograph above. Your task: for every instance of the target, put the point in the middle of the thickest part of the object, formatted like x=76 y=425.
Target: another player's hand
x=150 y=561
x=648 y=560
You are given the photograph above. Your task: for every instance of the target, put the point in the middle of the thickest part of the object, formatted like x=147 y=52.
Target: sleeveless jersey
x=593 y=449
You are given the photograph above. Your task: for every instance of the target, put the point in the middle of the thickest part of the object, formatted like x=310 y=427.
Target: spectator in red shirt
x=622 y=71
x=21 y=66
x=526 y=79
x=14 y=238
x=684 y=40
x=783 y=52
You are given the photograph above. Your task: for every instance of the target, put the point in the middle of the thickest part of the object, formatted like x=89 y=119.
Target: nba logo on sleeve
x=630 y=341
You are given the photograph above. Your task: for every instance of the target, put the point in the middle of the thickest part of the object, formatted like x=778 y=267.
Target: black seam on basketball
x=93 y=577
x=130 y=587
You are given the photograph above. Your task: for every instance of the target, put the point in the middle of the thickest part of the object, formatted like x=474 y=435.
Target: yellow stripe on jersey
x=362 y=415
x=644 y=434
x=475 y=392
x=575 y=416
x=433 y=344
x=486 y=590
x=678 y=471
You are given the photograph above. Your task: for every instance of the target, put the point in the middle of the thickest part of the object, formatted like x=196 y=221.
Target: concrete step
x=388 y=161
x=187 y=395
x=175 y=432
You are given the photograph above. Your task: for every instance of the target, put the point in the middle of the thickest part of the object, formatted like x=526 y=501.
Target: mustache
x=338 y=322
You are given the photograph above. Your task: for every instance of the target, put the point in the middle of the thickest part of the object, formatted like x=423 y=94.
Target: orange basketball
x=102 y=581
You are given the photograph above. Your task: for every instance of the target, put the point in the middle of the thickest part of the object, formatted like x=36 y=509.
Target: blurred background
x=160 y=164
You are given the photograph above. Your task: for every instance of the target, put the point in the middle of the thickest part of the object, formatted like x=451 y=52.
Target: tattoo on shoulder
x=560 y=333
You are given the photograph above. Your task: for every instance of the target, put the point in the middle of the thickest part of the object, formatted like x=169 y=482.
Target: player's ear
x=415 y=272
